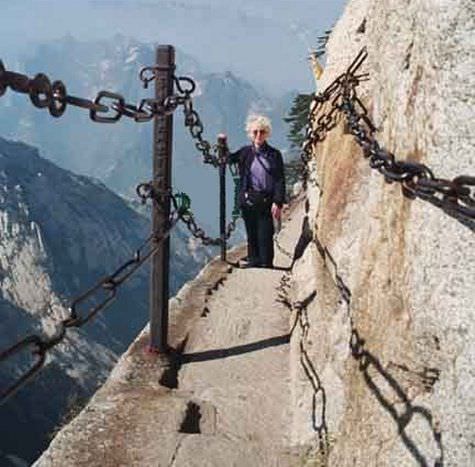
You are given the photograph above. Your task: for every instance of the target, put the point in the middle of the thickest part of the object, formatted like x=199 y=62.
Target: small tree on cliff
x=298 y=113
x=297 y=118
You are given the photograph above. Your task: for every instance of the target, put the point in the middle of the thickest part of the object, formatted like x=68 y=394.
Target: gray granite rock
x=402 y=270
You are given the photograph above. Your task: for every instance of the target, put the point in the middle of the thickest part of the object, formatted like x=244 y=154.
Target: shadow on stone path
x=227 y=401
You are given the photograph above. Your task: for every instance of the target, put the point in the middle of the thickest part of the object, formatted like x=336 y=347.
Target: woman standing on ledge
x=262 y=190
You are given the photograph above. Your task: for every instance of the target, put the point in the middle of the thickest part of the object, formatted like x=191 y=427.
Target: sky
x=264 y=41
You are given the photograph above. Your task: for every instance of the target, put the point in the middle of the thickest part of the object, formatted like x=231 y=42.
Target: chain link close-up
x=107 y=106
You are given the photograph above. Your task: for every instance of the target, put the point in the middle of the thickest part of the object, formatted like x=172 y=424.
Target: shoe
x=266 y=266
x=246 y=263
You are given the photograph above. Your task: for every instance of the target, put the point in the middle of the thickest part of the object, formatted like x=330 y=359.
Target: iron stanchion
x=222 y=157
x=162 y=166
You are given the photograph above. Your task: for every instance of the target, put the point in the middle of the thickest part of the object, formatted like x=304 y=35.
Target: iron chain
x=188 y=219
x=236 y=212
x=110 y=107
x=186 y=87
x=83 y=308
x=193 y=121
x=341 y=99
x=107 y=107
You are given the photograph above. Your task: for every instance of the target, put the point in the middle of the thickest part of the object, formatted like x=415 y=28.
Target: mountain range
x=59 y=234
x=120 y=155
x=69 y=217
x=264 y=41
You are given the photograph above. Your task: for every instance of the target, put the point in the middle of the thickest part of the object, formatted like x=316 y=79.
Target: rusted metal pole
x=222 y=157
x=162 y=169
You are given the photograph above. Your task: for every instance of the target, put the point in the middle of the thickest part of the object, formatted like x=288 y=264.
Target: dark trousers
x=260 y=231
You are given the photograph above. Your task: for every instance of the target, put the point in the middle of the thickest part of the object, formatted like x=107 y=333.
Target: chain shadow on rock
x=432 y=199
x=319 y=422
x=368 y=361
x=305 y=238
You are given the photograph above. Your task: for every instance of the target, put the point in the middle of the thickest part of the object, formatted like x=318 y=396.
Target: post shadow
x=217 y=354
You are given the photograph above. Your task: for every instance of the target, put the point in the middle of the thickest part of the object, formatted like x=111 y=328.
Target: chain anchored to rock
x=340 y=99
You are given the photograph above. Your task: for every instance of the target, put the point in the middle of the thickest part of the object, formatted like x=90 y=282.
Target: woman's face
x=258 y=136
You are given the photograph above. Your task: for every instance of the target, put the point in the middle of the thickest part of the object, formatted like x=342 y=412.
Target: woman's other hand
x=276 y=211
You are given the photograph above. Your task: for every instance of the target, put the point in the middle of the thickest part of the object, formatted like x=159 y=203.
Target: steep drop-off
x=59 y=234
x=379 y=295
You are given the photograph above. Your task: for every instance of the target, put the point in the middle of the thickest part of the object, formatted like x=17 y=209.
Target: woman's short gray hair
x=258 y=122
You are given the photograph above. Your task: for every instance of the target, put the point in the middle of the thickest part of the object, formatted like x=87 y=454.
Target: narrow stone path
x=230 y=406
x=237 y=358
x=236 y=368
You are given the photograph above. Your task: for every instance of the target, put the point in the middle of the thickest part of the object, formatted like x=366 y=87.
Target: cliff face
x=53 y=244
x=394 y=273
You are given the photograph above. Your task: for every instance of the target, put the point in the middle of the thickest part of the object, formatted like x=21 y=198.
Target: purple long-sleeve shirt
x=261 y=179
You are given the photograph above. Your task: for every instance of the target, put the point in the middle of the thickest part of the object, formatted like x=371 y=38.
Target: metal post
x=162 y=167
x=222 y=153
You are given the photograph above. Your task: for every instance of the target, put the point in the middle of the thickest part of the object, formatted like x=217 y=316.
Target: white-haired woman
x=262 y=190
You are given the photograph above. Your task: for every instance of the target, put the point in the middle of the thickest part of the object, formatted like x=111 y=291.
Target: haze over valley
x=67 y=185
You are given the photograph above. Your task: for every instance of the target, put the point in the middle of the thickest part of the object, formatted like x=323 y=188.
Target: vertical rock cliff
x=391 y=329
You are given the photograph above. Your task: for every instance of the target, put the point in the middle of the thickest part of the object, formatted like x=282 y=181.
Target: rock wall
x=385 y=293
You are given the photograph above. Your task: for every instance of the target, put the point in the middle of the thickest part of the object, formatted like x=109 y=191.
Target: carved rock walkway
x=237 y=361
x=228 y=397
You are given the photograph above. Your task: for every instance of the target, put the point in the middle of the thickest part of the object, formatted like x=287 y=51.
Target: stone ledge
x=135 y=402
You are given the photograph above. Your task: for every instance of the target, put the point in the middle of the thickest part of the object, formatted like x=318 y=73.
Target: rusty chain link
x=110 y=107
x=84 y=307
x=236 y=212
x=107 y=107
x=195 y=127
x=188 y=219
x=181 y=202
x=197 y=232
x=417 y=180
x=186 y=87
